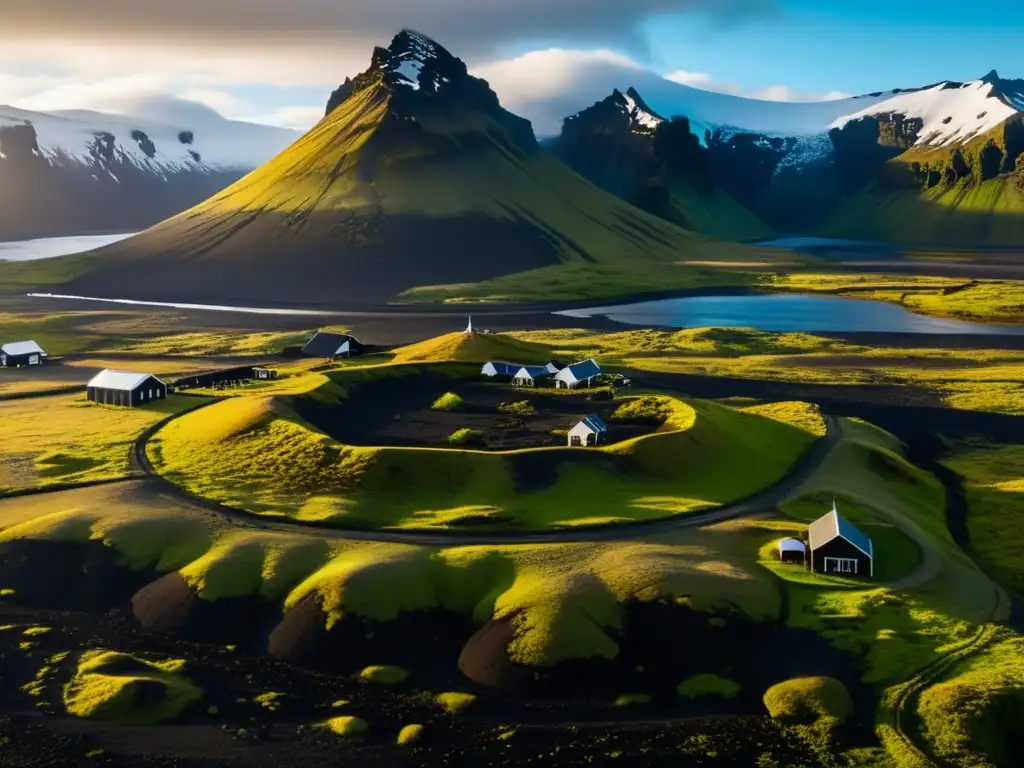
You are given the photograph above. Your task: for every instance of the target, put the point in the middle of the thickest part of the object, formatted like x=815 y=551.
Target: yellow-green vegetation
x=517 y=408
x=991 y=301
x=347 y=725
x=644 y=409
x=974 y=717
x=466 y=437
x=449 y=402
x=410 y=734
x=807 y=416
x=454 y=702
x=700 y=685
x=994 y=484
x=115 y=686
x=270 y=700
x=473 y=348
x=809 y=699
x=255 y=453
x=37 y=631
x=7 y=592
x=68 y=440
x=972 y=379
x=632 y=699
x=384 y=675
x=37 y=687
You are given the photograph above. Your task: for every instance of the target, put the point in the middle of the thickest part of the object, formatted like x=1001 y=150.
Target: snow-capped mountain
x=75 y=171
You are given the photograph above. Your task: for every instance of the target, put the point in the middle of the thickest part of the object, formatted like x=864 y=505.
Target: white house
x=128 y=388
x=588 y=431
x=527 y=375
x=577 y=374
x=18 y=353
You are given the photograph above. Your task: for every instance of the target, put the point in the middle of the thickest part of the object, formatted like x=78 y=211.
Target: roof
x=503 y=368
x=583 y=371
x=792 y=545
x=123 y=380
x=533 y=371
x=325 y=344
x=832 y=525
x=594 y=423
x=22 y=348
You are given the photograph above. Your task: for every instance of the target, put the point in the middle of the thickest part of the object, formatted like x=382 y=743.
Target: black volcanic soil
x=398 y=412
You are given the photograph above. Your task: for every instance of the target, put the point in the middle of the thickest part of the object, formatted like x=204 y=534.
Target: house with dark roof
x=837 y=547
x=15 y=354
x=127 y=388
x=576 y=374
x=588 y=432
x=528 y=375
x=331 y=345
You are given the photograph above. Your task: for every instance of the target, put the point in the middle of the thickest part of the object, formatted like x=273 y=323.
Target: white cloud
x=696 y=79
x=541 y=74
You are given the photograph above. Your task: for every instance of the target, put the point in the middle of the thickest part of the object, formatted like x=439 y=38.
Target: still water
x=49 y=247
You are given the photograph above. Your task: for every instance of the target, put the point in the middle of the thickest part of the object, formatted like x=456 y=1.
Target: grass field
x=255 y=453
x=66 y=439
x=994 y=483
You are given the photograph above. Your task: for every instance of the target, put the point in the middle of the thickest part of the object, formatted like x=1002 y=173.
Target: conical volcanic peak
x=423 y=77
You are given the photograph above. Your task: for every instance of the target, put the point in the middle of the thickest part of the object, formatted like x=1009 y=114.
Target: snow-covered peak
x=950 y=112
x=639 y=113
x=87 y=138
x=410 y=52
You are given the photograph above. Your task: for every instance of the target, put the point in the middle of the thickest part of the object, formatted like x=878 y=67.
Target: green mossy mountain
x=416 y=176
x=659 y=165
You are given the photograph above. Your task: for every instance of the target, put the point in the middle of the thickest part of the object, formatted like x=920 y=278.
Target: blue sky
x=856 y=46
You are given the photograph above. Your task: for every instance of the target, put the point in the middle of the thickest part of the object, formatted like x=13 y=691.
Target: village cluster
x=833 y=545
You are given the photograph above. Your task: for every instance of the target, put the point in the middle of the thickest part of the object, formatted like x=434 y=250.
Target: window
x=576 y=440
x=842 y=565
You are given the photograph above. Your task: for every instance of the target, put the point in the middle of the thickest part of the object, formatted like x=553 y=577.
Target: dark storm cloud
x=469 y=27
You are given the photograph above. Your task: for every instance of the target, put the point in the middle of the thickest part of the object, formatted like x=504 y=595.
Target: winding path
x=763 y=501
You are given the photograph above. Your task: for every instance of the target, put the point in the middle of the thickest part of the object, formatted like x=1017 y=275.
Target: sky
x=276 y=62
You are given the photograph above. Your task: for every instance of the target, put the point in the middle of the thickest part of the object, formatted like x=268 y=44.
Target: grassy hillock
x=125 y=689
x=255 y=453
x=473 y=348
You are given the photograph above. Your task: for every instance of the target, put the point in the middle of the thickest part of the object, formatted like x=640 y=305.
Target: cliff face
x=659 y=165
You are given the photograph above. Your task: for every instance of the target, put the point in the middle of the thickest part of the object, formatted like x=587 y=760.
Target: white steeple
x=469 y=327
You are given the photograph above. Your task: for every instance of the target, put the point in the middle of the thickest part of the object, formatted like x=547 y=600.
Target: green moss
x=410 y=734
x=347 y=725
x=697 y=686
x=453 y=703
x=518 y=408
x=384 y=675
x=7 y=592
x=270 y=700
x=37 y=631
x=125 y=689
x=804 y=700
x=466 y=437
x=449 y=402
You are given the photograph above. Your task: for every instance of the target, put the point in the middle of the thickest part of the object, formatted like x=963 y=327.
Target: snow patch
x=951 y=113
x=410 y=70
x=639 y=115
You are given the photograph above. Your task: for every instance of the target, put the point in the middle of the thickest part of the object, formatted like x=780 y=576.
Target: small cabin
x=527 y=376
x=332 y=345
x=127 y=388
x=263 y=374
x=496 y=368
x=837 y=547
x=588 y=432
x=793 y=551
x=18 y=353
x=577 y=374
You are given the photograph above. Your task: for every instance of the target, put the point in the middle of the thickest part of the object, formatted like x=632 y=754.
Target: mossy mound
x=473 y=348
x=384 y=675
x=808 y=700
x=700 y=685
x=266 y=459
x=347 y=725
x=115 y=686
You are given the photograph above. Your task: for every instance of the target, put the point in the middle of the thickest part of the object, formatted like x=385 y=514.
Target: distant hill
x=416 y=176
x=659 y=165
x=75 y=171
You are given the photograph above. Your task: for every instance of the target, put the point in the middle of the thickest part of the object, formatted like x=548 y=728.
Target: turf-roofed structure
x=840 y=548
x=416 y=176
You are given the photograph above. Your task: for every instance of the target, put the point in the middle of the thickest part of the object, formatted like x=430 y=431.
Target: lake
x=49 y=247
x=787 y=312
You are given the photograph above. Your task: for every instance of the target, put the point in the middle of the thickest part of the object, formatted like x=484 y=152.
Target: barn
x=127 y=388
x=330 y=345
x=838 y=547
x=588 y=431
x=527 y=375
x=18 y=353
x=577 y=374
x=793 y=551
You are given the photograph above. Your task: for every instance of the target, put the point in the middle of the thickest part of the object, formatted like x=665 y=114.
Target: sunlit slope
x=370 y=203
